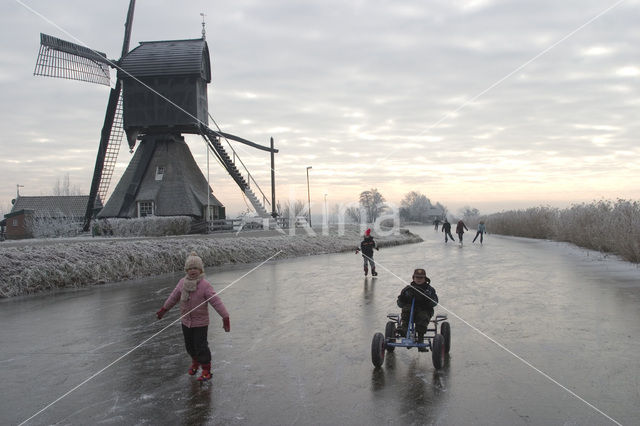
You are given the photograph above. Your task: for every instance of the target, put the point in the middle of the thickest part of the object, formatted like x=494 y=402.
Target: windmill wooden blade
x=109 y=137
x=111 y=153
x=63 y=59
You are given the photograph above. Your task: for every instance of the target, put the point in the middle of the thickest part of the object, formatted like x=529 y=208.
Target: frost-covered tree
x=372 y=202
x=354 y=213
x=443 y=209
x=469 y=213
x=415 y=207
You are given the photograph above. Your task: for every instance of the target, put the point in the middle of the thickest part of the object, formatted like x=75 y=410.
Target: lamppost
x=309 y=195
x=326 y=212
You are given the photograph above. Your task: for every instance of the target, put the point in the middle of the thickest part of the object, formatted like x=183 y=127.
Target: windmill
x=160 y=93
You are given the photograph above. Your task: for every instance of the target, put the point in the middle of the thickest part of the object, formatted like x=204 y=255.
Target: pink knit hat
x=193 y=261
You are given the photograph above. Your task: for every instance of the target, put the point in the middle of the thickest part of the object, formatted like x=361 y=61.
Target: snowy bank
x=32 y=266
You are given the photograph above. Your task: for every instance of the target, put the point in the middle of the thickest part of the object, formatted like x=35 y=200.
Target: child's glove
x=161 y=312
x=377 y=249
x=357 y=251
x=226 y=324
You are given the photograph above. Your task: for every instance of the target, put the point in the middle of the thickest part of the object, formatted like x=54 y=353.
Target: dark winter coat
x=426 y=297
x=367 y=245
x=460 y=228
x=446 y=227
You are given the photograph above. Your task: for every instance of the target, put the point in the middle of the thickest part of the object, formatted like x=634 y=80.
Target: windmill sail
x=111 y=154
x=63 y=59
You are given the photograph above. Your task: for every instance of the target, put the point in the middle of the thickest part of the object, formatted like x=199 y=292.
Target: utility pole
x=309 y=195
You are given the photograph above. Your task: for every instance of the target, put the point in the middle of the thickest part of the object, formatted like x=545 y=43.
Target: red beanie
x=367 y=232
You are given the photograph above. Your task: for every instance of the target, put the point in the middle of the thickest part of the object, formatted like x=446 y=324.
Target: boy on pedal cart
x=426 y=299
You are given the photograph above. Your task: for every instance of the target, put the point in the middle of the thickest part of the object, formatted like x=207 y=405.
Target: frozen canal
x=299 y=347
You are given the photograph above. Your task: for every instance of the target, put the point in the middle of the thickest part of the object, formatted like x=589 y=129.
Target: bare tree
x=64 y=187
x=291 y=209
x=4 y=209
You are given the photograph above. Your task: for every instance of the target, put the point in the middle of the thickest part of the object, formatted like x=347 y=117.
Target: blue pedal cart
x=437 y=339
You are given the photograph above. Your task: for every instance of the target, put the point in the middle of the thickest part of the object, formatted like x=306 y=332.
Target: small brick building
x=17 y=225
x=25 y=210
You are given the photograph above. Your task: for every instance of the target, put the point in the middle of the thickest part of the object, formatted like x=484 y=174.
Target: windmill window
x=145 y=208
x=159 y=172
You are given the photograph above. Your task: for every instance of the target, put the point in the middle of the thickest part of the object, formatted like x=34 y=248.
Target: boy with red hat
x=366 y=246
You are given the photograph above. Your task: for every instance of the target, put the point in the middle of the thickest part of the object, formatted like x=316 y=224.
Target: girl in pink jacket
x=193 y=292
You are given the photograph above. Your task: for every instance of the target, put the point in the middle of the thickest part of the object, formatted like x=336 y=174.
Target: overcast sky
x=493 y=104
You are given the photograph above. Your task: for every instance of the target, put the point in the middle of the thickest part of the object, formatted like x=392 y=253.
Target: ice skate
x=206 y=373
x=194 y=367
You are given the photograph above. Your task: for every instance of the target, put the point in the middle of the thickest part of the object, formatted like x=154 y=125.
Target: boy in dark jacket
x=366 y=246
x=426 y=299
x=446 y=228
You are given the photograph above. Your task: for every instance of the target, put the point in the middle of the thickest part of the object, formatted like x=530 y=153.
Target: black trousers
x=195 y=340
x=369 y=260
x=421 y=318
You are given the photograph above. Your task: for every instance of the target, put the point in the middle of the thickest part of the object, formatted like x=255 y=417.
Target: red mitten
x=226 y=324
x=161 y=312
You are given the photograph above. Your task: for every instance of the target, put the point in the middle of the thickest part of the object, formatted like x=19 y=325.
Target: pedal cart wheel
x=437 y=351
x=390 y=335
x=377 y=349
x=445 y=330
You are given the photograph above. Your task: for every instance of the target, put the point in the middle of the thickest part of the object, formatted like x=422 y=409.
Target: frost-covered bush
x=149 y=226
x=587 y=225
x=535 y=222
x=45 y=226
x=32 y=266
x=603 y=225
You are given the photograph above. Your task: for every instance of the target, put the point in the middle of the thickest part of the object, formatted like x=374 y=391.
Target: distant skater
x=481 y=231
x=460 y=230
x=436 y=223
x=366 y=246
x=446 y=228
